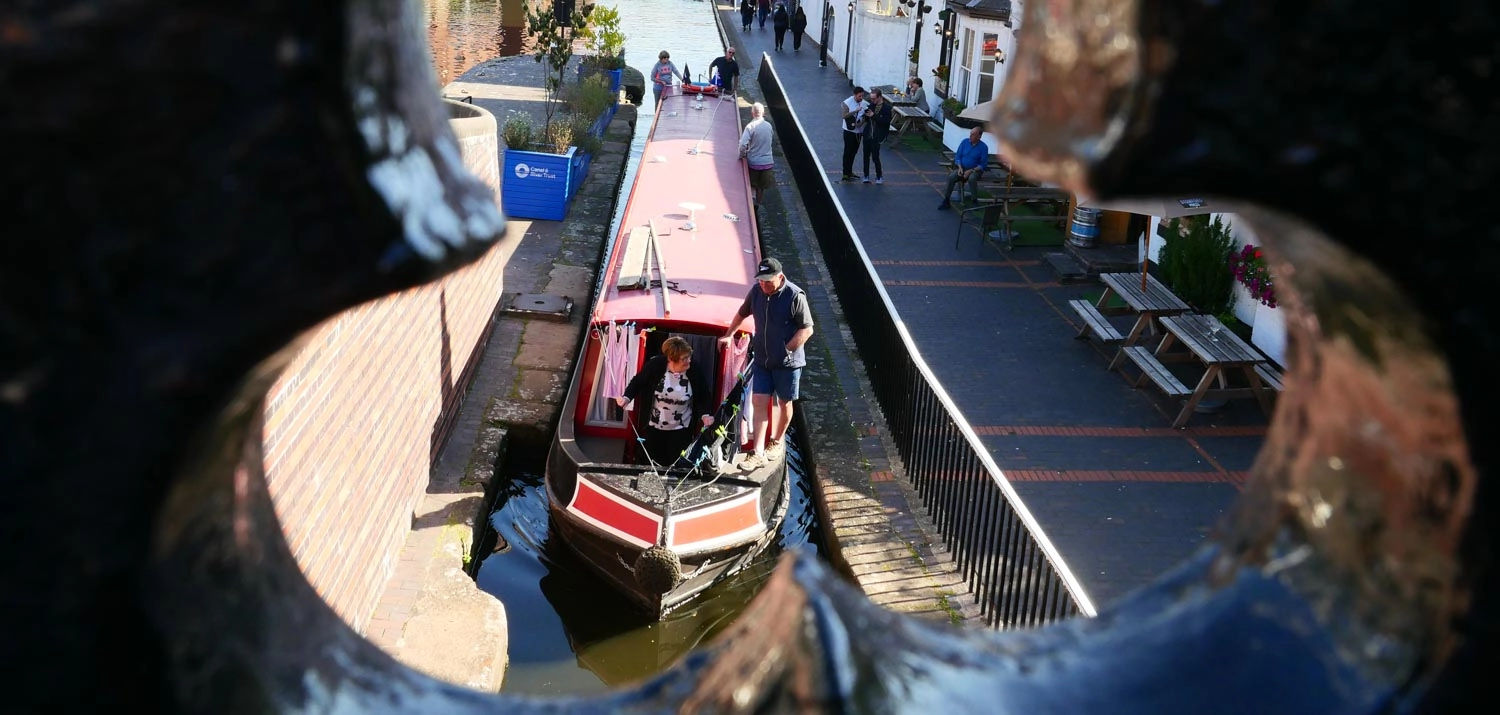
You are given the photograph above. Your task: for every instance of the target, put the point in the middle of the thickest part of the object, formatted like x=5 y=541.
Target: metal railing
x=1016 y=575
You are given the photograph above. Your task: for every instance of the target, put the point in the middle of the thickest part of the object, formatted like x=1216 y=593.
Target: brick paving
x=1121 y=494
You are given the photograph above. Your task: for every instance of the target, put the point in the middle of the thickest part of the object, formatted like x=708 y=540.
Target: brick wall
x=356 y=419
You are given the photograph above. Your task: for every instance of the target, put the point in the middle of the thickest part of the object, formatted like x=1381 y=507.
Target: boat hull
x=607 y=526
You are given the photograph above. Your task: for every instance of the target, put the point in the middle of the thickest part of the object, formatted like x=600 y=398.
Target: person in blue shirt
x=970 y=160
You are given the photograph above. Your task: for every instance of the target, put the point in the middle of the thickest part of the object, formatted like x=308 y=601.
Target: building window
x=965 y=51
x=987 y=68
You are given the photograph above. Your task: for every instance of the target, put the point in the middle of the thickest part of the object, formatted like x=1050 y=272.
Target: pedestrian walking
x=727 y=70
x=970 y=160
x=798 y=26
x=877 y=127
x=755 y=149
x=783 y=324
x=662 y=73
x=854 y=110
x=779 y=23
x=763 y=7
x=747 y=14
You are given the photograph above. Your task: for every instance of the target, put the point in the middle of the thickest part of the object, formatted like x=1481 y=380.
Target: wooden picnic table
x=903 y=116
x=1149 y=305
x=1220 y=351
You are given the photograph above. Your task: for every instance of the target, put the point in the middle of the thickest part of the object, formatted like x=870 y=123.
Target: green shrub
x=603 y=36
x=1195 y=263
x=560 y=136
x=586 y=142
x=590 y=97
x=518 y=131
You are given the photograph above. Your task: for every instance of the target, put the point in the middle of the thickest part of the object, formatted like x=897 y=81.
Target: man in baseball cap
x=768 y=270
x=783 y=324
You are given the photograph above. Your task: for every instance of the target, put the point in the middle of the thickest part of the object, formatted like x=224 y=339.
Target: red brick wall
x=353 y=424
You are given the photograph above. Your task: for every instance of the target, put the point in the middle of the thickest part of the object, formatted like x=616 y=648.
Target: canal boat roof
x=692 y=157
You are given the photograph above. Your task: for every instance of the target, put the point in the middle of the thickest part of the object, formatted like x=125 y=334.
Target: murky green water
x=570 y=633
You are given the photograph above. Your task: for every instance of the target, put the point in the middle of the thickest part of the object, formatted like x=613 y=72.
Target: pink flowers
x=1249 y=268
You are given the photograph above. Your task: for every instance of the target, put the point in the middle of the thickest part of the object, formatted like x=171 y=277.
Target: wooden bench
x=1152 y=368
x=1269 y=377
x=1094 y=322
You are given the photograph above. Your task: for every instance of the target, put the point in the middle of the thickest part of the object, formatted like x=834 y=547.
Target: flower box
x=538 y=184
x=616 y=77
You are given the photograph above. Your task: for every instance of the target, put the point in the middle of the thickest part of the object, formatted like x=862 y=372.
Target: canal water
x=572 y=634
x=569 y=633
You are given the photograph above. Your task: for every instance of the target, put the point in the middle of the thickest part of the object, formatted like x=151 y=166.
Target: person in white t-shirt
x=855 y=112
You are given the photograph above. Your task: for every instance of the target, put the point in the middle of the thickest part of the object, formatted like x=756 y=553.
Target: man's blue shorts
x=784 y=380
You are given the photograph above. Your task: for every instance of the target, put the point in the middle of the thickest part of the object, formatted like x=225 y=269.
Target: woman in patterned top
x=680 y=401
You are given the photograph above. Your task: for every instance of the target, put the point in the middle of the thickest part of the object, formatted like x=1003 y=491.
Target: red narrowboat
x=662 y=528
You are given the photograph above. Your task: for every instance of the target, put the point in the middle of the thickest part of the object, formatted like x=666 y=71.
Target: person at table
x=916 y=95
x=675 y=400
x=876 y=129
x=798 y=26
x=727 y=71
x=970 y=160
x=662 y=73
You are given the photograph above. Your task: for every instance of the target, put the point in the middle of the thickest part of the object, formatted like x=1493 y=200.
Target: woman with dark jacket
x=779 y=21
x=673 y=399
x=799 y=25
x=747 y=14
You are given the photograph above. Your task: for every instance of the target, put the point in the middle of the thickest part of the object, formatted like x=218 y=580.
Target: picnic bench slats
x=1094 y=322
x=1269 y=377
x=1157 y=372
x=1155 y=297
x=1196 y=333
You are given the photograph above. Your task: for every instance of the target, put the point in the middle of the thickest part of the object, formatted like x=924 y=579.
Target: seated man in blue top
x=970 y=159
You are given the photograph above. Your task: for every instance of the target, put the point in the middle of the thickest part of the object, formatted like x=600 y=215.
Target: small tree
x=604 y=37
x=1195 y=263
x=554 y=45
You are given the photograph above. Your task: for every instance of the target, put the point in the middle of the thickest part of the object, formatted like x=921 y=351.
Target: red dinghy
x=662 y=528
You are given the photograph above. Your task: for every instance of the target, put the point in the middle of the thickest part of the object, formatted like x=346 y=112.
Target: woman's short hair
x=675 y=348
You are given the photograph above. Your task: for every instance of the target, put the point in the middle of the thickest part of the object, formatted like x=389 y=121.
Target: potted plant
x=606 y=42
x=1249 y=268
x=539 y=175
x=1194 y=263
x=940 y=79
x=593 y=98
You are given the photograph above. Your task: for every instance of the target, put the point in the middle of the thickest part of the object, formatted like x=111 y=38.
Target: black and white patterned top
x=674 y=402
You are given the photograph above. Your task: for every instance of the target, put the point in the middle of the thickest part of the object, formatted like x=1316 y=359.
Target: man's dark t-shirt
x=729 y=71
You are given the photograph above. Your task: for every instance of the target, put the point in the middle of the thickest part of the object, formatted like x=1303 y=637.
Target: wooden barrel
x=1083 y=231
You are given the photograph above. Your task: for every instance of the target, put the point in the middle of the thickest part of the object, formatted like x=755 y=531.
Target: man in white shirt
x=855 y=111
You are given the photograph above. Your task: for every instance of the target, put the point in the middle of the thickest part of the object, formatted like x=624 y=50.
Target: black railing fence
x=1013 y=570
